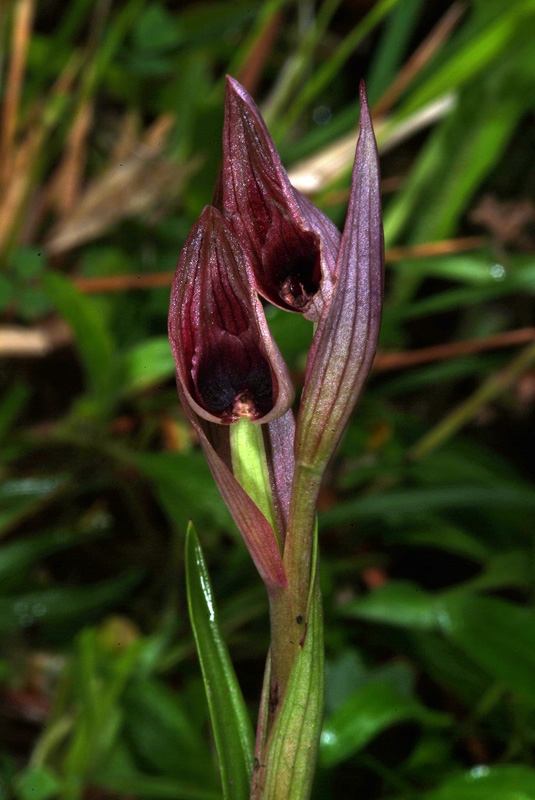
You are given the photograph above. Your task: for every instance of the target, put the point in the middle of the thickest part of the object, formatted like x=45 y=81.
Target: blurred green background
x=110 y=142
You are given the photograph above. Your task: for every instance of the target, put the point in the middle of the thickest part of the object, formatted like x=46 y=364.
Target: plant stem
x=286 y=758
x=300 y=536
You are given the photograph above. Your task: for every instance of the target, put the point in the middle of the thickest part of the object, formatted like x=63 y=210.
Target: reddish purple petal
x=226 y=360
x=291 y=243
x=346 y=337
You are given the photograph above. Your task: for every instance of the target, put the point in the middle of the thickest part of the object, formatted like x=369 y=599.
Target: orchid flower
x=292 y=245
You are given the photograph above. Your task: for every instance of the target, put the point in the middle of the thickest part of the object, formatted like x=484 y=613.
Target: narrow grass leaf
x=389 y=52
x=61 y=604
x=232 y=728
x=475 y=55
x=331 y=66
x=93 y=339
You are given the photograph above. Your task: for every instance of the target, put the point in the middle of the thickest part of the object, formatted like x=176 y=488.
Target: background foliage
x=110 y=145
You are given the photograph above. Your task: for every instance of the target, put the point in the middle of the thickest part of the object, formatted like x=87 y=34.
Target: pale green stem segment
x=250 y=468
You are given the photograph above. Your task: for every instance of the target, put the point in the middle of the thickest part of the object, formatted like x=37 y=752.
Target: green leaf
x=507 y=569
x=8 y=291
x=92 y=336
x=348 y=673
x=497 y=635
x=11 y=405
x=508 y=782
x=59 y=604
x=211 y=22
x=185 y=487
x=37 y=783
x=366 y=713
x=27 y=262
x=147 y=364
x=397 y=603
x=479 y=51
x=156 y=29
x=162 y=735
x=450 y=667
x=410 y=503
x=232 y=728
x=20 y=497
x=435 y=532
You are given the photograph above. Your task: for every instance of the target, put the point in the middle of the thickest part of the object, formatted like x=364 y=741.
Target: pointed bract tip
x=234 y=87
x=364 y=107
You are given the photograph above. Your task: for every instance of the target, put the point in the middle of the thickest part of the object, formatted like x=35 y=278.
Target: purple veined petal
x=226 y=360
x=256 y=531
x=291 y=243
x=346 y=338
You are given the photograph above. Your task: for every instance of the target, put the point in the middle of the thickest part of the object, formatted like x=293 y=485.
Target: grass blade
x=92 y=336
x=232 y=728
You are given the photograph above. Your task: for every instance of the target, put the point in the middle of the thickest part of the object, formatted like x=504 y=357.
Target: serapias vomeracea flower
x=291 y=244
x=227 y=362
x=227 y=368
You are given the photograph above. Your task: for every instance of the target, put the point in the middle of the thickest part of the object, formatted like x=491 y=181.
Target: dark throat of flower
x=291 y=262
x=234 y=381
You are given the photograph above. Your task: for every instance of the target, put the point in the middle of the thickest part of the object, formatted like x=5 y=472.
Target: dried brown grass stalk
x=22 y=28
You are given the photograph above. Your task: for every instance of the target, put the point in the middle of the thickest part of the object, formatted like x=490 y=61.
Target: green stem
x=300 y=535
x=286 y=761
